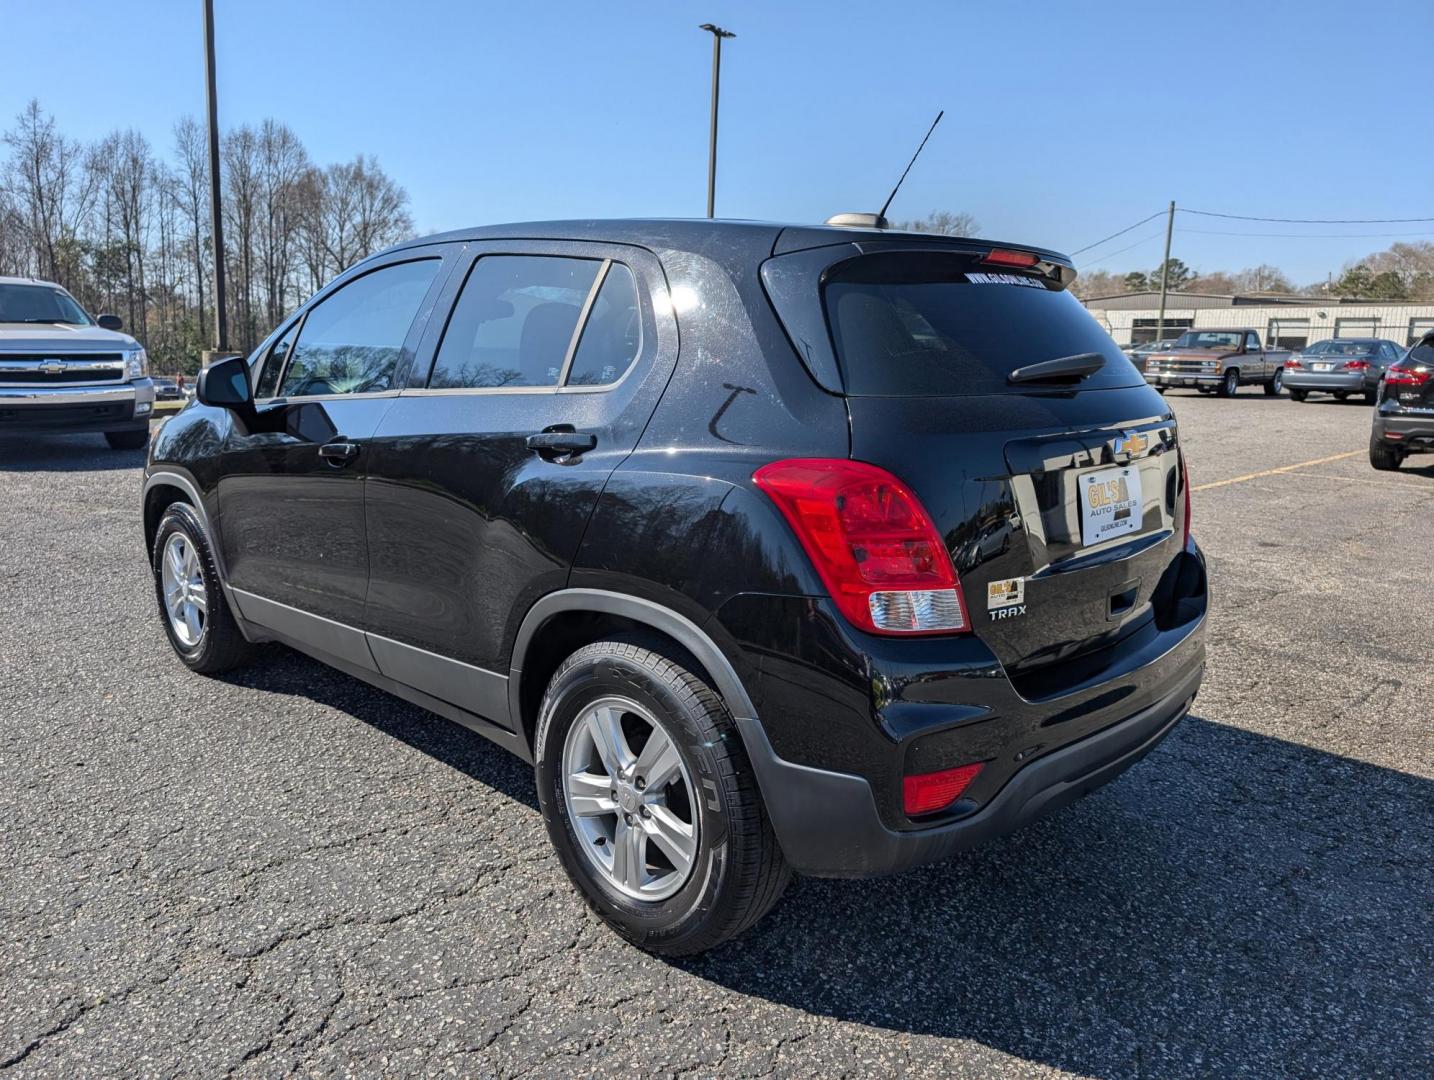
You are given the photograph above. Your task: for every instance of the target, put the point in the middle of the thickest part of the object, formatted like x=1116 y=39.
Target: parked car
x=1340 y=366
x=167 y=388
x=1218 y=362
x=1139 y=354
x=705 y=581
x=63 y=371
x=1404 y=413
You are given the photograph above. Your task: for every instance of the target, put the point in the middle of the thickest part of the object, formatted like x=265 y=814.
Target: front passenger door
x=291 y=498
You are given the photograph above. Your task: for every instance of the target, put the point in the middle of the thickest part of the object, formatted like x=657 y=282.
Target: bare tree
x=51 y=189
x=283 y=163
x=945 y=222
x=125 y=231
x=191 y=191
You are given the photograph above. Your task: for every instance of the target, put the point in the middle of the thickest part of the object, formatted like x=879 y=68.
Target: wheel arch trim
x=682 y=629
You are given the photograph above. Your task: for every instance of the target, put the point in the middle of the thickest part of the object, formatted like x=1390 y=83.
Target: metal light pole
x=717 y=35
x=221 y=318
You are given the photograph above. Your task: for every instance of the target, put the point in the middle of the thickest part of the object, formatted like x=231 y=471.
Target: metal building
x=1290 y=322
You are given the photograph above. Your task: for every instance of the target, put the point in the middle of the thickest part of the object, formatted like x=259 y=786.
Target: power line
x=1113 y=235
x=1309 y=221
x=1121 y=251
x=1307 y=236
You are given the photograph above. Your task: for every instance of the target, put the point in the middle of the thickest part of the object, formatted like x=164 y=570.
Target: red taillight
x=1006 y=257
x=872 y=542
x=926 y=793
x=1356 y=365
x=1185 y=479
x=1292 y=363
x=1408 y=376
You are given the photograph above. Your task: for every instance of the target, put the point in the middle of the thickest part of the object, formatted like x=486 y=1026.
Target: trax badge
x=1006 y=599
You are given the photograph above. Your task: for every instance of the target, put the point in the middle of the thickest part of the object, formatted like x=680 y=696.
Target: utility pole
x=717 y=35
x=221 y=317
x=1165 y=273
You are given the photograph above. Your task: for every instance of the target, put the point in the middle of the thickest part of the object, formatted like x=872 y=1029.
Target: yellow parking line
x=1273 y=472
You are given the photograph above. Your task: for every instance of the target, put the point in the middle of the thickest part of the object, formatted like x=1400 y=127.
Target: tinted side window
x=351 y=340
x=273 y=364
x=612 y=335
x=513 y=322
x=1252 y=342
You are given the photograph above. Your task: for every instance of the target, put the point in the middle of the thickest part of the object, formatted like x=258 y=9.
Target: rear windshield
x=915 y=324
x=1210 y=339
x=1340 y=348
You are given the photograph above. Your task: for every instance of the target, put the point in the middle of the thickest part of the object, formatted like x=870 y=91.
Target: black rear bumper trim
x=828 y=825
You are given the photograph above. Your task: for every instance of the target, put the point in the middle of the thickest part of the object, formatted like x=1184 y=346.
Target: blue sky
x=1064 y=122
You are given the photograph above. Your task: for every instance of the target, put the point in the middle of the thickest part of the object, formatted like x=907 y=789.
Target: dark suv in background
x=1404 y=408
x=773 y=548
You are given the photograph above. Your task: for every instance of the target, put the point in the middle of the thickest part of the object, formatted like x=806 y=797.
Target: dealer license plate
x=1109 y=504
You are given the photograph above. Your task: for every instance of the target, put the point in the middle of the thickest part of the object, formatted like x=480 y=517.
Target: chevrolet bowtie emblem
x=1133 y=444
x=52 y=367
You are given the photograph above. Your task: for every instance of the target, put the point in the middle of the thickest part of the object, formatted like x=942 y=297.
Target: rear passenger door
x=484 y=472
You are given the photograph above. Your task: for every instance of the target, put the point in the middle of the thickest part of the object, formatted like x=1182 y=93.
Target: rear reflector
x=925 y=793
x=1006 y=257
x=872 y=542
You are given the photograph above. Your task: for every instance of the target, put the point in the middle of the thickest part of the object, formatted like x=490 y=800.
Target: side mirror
x=226 y=384
x=110 y=322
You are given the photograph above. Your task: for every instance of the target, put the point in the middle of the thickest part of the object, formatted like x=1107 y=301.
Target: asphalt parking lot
x=285 y=871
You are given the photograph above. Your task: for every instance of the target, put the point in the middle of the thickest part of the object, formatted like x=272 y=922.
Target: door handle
x=339 y=454
x=561 y=444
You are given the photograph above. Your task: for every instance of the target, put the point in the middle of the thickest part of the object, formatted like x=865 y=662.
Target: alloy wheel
x=629 y=799
x=186 y=601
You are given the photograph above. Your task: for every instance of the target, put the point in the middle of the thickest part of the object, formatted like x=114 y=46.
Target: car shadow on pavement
x=1236 y=904
x=278 y=669
x=64 y=453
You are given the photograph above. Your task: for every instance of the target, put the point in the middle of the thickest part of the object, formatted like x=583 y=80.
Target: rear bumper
x=828 y=826
x=1352 y=381
x=830 y=764
x=126 y=407
x=1410 y=432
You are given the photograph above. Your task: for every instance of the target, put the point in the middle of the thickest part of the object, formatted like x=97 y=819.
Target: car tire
x=1161 y=390
x=1384 y=457
x=1299 y=395
x=1275 y=385
x=127 y=440
x=1371 y=397
x=211 y=642
x=1230 y=384
x=734 y=870
x=1341 y=395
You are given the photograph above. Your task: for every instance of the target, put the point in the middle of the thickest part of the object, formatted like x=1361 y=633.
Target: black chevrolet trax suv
x=1404 y=408
x=772 y=548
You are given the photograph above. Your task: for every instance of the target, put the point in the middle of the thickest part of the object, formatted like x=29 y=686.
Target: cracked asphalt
x=286 y=872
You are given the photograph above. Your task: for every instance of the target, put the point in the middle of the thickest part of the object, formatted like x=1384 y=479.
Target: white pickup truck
x=62 y=371
x=1218 y=362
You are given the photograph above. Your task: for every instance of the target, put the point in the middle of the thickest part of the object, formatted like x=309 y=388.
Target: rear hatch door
x=1057 y=501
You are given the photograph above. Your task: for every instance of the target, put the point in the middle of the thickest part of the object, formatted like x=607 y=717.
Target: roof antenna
x=878 y=220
